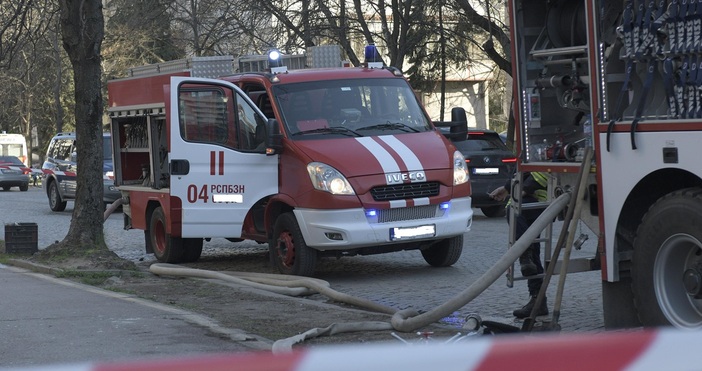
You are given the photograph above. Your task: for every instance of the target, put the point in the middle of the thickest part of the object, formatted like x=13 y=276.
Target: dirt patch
x=267 y=316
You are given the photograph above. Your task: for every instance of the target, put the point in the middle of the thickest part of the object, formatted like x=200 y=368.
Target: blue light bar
x=370 y=52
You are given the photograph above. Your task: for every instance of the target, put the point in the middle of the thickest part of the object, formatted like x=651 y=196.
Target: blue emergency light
x=372 y=56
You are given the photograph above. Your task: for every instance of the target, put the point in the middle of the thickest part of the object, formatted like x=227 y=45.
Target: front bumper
x=348 y=229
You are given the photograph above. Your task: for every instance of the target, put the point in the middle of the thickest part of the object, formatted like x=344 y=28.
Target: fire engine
x=315 y=162
x=623 y=77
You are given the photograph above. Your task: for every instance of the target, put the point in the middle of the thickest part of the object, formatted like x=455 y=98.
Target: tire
x=493 y=211
x=192 y=249
x=288 y=250
x=667 y=261
x=6 y=188
x=24 y=187
x=167 y=249
x=444 y=253
x=55 y=201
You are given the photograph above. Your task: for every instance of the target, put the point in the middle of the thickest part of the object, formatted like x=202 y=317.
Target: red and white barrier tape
x=666 y=349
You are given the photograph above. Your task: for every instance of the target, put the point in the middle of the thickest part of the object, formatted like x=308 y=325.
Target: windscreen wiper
x=390 y=126
x=330 y=130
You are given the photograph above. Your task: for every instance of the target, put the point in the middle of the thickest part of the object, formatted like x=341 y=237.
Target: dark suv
x=60 y=182
x=491 y=165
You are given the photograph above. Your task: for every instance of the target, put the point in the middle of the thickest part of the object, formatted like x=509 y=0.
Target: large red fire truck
x=624 y=77
x=315 y=162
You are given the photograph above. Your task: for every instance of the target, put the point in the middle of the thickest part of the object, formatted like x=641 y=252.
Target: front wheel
x=444 y=253
x=55 y=201
x=288 y=250
x=167 y=249
x=667 y=262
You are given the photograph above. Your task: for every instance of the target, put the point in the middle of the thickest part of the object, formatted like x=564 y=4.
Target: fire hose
x=403 y=320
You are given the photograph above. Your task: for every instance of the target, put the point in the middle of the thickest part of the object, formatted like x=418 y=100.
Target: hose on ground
x=408 y=319
x=281 y=284
x=404 y=320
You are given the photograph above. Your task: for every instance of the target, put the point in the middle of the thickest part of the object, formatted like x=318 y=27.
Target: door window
x=207 y=116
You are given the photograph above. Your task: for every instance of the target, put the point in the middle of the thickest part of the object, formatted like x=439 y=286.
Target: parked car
x=13 y=177
x=60 y=182
x=491 y=165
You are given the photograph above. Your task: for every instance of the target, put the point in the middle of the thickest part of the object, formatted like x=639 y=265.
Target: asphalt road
x=401 y=280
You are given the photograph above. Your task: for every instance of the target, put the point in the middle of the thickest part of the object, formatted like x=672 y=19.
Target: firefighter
x=533 y=190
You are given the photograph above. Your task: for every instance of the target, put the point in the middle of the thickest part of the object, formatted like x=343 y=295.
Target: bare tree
x=209 y=27
x=13 y=27
x=138 y=33
x=82 y=27
x=30 y=73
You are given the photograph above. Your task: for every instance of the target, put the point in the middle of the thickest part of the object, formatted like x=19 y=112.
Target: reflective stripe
x=540 y=178
x=541 y=195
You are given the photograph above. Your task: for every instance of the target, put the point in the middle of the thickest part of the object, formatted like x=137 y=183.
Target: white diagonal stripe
x=408 y=156
x=384 y=157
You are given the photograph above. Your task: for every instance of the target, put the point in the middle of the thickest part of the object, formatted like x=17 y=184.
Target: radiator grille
x=407 y=213
x=405 y=191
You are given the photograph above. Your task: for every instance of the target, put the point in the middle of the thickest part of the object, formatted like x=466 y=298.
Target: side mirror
x=458 y=126
x=274 y=140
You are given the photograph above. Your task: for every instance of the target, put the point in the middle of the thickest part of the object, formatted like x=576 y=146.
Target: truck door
x=218 y=168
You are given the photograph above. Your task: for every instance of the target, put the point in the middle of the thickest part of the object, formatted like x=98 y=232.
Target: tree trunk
x=82 y=27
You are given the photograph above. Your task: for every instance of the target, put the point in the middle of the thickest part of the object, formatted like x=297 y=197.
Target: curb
x=239 y=336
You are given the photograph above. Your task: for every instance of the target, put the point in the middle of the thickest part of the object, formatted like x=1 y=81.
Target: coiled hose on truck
x=403 y=320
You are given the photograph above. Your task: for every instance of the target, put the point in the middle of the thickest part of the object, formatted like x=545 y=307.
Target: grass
x=89 y=278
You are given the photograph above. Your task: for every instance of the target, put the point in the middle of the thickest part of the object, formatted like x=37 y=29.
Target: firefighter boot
x=527 y=265
x=525 y=311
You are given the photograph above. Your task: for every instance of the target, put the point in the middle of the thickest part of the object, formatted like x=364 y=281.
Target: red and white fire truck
x=315 y=162
x=625 y=77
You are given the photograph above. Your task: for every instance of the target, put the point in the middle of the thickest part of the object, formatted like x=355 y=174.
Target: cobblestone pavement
x=400 y=280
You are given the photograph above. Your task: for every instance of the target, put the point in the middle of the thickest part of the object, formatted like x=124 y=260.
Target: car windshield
x=358 y=107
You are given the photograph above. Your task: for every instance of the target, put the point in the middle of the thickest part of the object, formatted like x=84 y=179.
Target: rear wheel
x=24 y=187
x=167 y=249
x=55 y=201
x=444 y=253
x=667 y=262
x=193 y=249
x=493 y=211
x=288 y=250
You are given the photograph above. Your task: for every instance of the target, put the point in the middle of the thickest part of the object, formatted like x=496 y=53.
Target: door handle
x=180 y=167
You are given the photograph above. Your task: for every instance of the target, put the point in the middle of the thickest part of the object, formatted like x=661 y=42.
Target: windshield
x=359 y=107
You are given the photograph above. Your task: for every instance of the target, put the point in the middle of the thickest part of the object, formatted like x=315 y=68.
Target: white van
x=14 y=145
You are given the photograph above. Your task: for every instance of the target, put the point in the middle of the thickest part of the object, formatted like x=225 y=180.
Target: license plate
x=408 y=233
x=486 y=171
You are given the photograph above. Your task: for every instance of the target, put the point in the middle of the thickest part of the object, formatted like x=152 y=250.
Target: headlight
x=326 y=178
x=460 y=170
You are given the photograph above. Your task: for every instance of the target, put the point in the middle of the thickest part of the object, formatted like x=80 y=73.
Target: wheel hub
x=286 y=249
x=692 y=279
